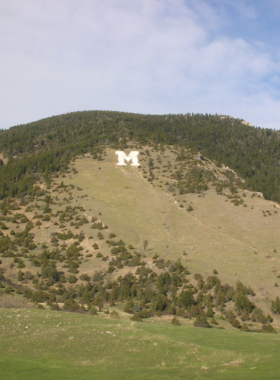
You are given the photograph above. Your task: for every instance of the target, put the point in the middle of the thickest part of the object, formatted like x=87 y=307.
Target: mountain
x=181 y=234
x=49 y=144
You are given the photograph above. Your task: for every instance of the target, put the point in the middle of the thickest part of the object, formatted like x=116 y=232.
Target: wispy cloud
x=150 y=56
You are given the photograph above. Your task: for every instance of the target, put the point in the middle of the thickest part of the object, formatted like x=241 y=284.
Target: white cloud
x=153 y=56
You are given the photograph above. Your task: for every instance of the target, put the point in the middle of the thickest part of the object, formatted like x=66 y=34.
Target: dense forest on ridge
x=48 y=145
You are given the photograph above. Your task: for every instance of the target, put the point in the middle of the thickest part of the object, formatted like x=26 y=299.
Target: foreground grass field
x=41 y=344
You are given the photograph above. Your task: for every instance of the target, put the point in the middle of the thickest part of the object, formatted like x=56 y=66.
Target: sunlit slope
x=239 y=242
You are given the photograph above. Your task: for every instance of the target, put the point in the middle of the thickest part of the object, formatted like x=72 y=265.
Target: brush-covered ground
x=178 y=238
x=176 y=205
x=42 y=344
x=236 y=233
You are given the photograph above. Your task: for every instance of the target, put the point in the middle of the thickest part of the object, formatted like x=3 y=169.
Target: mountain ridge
x=254 y=153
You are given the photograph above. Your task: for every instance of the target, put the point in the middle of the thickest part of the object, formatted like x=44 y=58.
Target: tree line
x=48 y=145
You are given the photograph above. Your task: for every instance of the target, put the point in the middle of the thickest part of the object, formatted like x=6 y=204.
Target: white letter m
x=132 y=156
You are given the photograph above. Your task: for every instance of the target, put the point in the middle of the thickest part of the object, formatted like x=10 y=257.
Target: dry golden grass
x=8 y=301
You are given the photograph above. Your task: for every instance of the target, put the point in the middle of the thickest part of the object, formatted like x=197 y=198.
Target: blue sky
x=144 y=56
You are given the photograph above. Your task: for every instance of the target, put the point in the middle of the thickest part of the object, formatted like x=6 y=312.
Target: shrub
x=275 y=306
x=236 y=324
x=245 y=316
x=230 y=316
x=93 y=310
x=20 y=275
x=70 y=305
x=201 y=321
x=268 y=329
x=145 y=313
x=21 y=264
x=54 y=305
x=258 y=316
x=175 y=322
x=243 y=304
x=213 y=321
x=114 y=315
x=136 y=318
x=110 y=269
x=209 y=312
x=72 y=279
x=8 y=289
x=84 y=277
x=245 y=327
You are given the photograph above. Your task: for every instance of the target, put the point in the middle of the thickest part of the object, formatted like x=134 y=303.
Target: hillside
x=48 y=145
x=177 y=236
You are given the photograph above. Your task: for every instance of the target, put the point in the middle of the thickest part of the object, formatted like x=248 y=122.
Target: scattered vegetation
x=46 y=147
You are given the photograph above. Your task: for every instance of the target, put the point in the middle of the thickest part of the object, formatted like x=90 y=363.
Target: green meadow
x=41 y=344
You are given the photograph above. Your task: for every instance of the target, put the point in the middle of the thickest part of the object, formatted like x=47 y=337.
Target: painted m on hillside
x=133 y=156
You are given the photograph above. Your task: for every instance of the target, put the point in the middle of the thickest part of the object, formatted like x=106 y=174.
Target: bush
x=70 y=305
x=230 y=316
x=243 y=304
x=245 y=327
x=236 y=324
x=21 y=264
x=136 y=318
x=209 y=312
x=84 y=277
x=93 y=310
x=145 y=313
x=54 y=306
x=275 y=306
x=245 y=316
x=8 y=289
x=201 y=321
x=20 y=275
x=268 y=329
x=110 y=269
x=114 y=315
x=175 y=322
x=72 y=279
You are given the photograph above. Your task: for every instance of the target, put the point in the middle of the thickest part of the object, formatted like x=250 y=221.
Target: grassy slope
x=40 y=344
x=237 y=241
x=216 y=234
